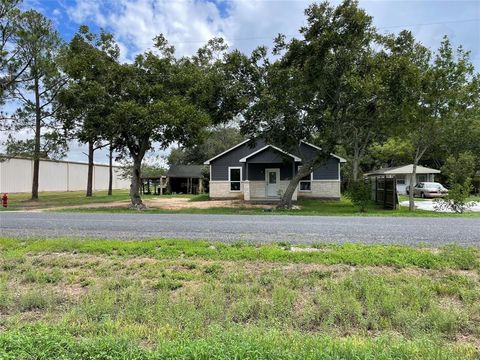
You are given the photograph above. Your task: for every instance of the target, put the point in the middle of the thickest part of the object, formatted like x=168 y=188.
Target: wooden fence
x=385 y=192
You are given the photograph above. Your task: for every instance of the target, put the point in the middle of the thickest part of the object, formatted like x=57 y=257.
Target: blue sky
x=245 y=24
x=248 y=23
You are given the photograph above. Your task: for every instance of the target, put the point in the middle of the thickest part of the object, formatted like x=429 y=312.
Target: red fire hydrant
x=5 y=200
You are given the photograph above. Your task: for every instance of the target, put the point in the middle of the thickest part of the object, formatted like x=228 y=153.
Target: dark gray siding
x=268 y=159
x=269 y=156
x=256 y=172
x=219 y=169
x=328 y=171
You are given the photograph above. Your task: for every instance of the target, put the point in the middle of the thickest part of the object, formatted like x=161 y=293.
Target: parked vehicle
x=428 y=190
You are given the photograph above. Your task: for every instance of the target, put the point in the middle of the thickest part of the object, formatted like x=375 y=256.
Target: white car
x=428 y=190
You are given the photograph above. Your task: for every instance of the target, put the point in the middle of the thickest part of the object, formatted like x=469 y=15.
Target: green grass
x=201 y=197
x=171 y=299
x=311 y=207
x=455 y=257
x=57 y=200
x=21 y=201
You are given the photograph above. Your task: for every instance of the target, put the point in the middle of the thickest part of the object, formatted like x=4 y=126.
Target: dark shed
x=185 y=179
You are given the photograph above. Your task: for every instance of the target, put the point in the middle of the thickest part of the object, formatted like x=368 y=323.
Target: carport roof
x=406 y=169
x=185 y=171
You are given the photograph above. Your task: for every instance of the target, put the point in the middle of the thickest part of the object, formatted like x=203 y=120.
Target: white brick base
x=221 y=190
x=258 y=189
x=251 y=190
x=322 y=189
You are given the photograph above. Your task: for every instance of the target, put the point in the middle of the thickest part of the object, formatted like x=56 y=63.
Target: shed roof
x=185 y=171
x=405 y=169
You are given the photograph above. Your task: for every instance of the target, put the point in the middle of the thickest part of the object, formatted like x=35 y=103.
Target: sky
x=246 y=24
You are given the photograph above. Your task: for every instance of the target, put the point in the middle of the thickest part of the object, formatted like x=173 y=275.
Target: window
x=400 y=179
x=306 y=182
x=235 y=178
x=272 y=177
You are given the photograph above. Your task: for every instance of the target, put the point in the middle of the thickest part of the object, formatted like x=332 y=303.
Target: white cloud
x=246 y=24
x=87 y=9
x=136 y=22
x=188 y=24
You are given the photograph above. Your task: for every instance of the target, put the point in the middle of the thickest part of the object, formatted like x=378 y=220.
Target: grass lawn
x=177 y=299
x=56 y=200
x=21 y=201
x=307 y=207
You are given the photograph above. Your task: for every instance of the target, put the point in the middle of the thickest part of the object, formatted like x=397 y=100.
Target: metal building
x=16 y=176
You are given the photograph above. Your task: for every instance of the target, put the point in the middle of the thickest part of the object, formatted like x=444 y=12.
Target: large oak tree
x=316 y=90
x=435 y=92
x=164 y=100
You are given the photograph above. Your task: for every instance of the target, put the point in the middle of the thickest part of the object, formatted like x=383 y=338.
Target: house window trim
x=310 y=181
x=230 y=181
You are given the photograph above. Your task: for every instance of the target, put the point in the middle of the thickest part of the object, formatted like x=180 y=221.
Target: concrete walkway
x=429 y=205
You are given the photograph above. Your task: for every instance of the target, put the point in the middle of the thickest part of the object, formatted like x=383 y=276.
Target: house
x=185 y=179
x=404 y=175
x=255 y=170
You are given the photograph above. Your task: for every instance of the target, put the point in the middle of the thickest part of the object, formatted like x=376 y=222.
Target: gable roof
x=185 y=171
x=226 y=151
x=405 y=169
x=342 y=160
x=295 y=158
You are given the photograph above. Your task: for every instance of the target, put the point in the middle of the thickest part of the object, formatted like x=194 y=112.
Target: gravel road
x=231 y=228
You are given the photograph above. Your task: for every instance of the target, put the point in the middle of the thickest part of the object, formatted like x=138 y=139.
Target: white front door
x=273 y=182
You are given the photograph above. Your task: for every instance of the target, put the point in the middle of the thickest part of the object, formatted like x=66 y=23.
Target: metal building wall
x=16 y=176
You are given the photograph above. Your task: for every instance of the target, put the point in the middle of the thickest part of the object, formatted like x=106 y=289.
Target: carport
x=185 y=179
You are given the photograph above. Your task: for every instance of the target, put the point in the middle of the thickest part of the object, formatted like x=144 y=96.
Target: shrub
x=457 y=198
x=459 y=171
x=360 y=194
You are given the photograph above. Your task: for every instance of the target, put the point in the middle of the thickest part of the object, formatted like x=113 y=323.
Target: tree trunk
x=36 y=152
x=91 y=151
x=135 y=184
x=411 y=201
x=286 y=201
x=418 y=156
x=356 y=159
x=110 y=170
x=355 y=166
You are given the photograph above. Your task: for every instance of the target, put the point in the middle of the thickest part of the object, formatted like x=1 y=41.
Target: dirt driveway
x=185 y=203
x=176 y=203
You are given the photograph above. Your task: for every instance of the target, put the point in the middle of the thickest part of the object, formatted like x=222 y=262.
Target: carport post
x=384 y=192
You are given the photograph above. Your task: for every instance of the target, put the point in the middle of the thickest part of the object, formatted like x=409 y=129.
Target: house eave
x=342 y=160
x=226 y=151
x=295 y=158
